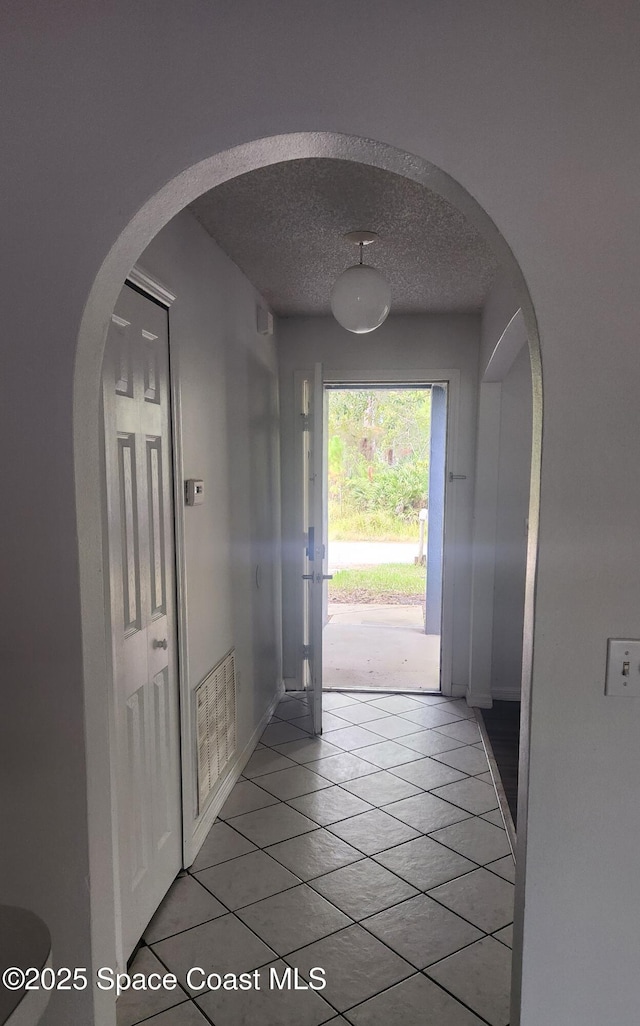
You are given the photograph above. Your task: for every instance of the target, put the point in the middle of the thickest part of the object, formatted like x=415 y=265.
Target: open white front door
x=316 y=549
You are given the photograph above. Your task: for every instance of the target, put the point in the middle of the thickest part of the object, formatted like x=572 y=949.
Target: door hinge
x=305 y=421
x=306 y=651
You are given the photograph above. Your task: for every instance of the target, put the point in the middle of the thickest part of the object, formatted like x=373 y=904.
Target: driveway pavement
x=343 y=554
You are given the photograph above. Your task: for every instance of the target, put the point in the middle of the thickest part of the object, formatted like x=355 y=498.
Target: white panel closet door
x=145 y=742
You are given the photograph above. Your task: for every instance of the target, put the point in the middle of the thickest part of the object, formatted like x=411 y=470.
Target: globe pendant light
x=361 y=297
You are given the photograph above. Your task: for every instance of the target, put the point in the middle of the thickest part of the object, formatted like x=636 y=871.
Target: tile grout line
x=382 y=807
x=379 y=769
x=310 y=880
x=364 y=855
x=261 y=939
x=362 y=922
x=484 y=933
x=417 y=972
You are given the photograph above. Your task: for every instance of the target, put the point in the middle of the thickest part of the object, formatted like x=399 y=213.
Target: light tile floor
x=377 y=853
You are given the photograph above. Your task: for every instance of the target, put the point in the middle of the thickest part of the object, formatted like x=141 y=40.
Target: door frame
x=410 y=377
x=155 y=290
x=311 y=463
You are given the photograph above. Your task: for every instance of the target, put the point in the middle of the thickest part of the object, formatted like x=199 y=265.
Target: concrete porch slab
x=376 y=615
x=377 y=654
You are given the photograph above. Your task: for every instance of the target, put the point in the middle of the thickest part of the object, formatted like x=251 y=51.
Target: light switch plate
x=623 y=667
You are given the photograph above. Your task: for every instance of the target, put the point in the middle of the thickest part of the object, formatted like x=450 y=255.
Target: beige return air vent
x=216 y=716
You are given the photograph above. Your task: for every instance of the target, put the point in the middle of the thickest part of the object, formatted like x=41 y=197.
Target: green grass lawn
x=397 y=583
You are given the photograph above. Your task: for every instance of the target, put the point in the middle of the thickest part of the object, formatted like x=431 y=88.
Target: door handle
x=308 y=577
x=325 y=577
x=161 y=644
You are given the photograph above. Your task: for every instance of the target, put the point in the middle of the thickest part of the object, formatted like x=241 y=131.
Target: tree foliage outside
x=378 y=462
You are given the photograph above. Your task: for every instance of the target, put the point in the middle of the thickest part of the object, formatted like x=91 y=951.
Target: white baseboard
x=482 y=701
x=206 y=820
x=291 y=684
x=506 y=694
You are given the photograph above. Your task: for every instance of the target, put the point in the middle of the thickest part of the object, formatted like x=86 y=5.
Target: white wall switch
x=623 y=667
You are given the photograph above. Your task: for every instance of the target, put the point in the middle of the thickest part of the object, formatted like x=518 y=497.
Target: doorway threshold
x=338 y=689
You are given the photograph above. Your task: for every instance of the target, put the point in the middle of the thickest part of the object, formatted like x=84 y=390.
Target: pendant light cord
x=361 y=251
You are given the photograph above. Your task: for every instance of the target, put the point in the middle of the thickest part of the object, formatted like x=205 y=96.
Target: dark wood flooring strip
x=502 y=723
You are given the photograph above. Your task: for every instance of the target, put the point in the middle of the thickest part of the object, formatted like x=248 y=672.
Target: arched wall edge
x=124 y=253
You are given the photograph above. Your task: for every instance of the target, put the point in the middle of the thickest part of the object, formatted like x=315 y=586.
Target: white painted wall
x=403 y=345
x=514 y=480
x=531 y=108
x=229 y=437
x=500 y=306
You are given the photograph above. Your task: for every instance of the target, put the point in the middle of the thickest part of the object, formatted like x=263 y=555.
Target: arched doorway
x=123 y=255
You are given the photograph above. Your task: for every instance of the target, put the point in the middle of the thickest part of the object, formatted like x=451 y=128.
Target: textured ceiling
x=283 y=226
